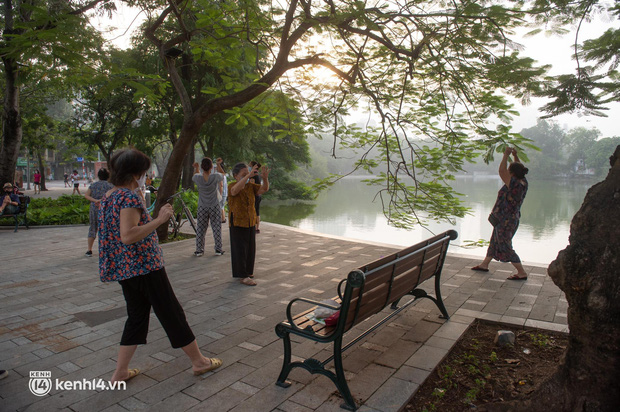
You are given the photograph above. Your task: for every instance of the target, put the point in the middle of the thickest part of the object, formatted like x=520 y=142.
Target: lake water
x=347 y=209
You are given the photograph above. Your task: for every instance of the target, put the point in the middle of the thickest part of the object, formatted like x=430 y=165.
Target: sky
x=544 y=49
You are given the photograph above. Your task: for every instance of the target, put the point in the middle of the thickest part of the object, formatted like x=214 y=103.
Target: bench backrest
x=374 y=286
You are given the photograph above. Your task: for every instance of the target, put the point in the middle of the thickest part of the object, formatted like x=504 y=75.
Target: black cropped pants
x=153 y=290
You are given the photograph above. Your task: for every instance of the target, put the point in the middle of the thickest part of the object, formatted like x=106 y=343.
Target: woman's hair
x=254 y=163
x=238 y=168
x=206 y=164
x=518 y=170
x=74 y=171
x=127 y=163
x=103 y=174
x=36 y=170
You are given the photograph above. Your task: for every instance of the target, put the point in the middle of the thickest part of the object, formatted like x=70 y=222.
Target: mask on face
x=141 y=181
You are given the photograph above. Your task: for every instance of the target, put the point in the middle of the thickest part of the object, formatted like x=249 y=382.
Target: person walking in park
x=506 y=214
x=94 y=193
x=242 y=220
x=75 y=181
x=129 y=253
x=66 y=177
x=209 y=194
x=37 y=182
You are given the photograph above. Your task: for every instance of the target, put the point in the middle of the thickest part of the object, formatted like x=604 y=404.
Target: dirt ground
x=477 y=371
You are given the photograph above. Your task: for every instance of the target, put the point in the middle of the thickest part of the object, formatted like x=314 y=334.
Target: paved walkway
x=56 y=316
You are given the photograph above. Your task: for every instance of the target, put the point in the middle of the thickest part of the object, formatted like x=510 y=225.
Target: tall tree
x=39 y=38
x=427 y=69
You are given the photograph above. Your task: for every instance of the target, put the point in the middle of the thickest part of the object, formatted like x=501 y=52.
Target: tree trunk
x=11 y=123
x=588 y=271
x=42 y=170
x=188 y=168
x=170 y=179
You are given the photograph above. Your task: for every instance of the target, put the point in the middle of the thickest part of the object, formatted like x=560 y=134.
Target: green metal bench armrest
x=291 y=323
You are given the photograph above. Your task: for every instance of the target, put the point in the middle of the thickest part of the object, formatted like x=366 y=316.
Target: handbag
x=493 y=220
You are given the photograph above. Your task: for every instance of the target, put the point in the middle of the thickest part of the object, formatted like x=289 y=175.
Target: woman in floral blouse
x=129 y=253
x=507 y=212
x=242 y=219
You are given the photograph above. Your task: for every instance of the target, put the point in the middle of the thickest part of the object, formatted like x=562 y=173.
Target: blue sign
x=80 y=159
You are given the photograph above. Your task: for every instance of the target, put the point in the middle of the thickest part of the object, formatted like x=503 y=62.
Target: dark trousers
x=242 y=250
x=153 y=289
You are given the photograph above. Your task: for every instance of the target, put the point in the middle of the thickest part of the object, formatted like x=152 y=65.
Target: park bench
x=367 y=291
x=21 y=213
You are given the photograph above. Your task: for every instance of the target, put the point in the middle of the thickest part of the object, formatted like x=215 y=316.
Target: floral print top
x=118 y=261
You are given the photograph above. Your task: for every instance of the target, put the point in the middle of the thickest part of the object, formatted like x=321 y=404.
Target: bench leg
x=340 y=380
x=286 y=364
x=439 y=300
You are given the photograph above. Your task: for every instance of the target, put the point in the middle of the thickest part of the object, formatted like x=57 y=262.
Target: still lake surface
x=347 y=209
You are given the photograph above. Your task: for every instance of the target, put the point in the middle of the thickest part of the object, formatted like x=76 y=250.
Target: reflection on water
x=350 y=209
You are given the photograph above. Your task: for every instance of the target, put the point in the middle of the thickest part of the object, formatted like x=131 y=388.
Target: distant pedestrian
x=256 y=179
x=129 y=253
x=94 y=193
x=37 y=182
x=242 y=220
x=506 y=214
x=75 y=181
x=209 y=184
x=66 y=176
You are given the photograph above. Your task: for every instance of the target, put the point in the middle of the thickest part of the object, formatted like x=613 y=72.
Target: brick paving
x=56 y=316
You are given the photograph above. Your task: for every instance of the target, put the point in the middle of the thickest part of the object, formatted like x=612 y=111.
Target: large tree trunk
x=188 y=168
x=41 y=169
x=11 y=123
x=588 y=271
x=170 y=179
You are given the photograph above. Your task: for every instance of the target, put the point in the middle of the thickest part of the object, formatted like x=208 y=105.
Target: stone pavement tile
x=398 y=353
x=356 y=358
x=225 y=377
x=267 y=399
x=411 y=374
x=162 y=390
x=223 y=401
x=113 y=408
x=427 y=358
x=438 y=342
x=133 y=404
x=512 y=320
x=265 y=375
x=166 y=370
x=177 y=403
x=231 y=340
x=497 y=306
x=546 y=325
x=542 y=312
x=365 y=383
x=392 y=396
x=451 y=330
x=422 y=331
x=264 y=355
x=105 y=399
x=50 y=361
x=313 y=394
x=288 y=406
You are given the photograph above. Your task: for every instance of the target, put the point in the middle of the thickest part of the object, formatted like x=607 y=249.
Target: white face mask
x=142 y=181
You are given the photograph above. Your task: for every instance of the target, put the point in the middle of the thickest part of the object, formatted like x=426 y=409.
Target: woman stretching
x=507 y=212
x=129 y=253
x=209 y=193
x=242 y=220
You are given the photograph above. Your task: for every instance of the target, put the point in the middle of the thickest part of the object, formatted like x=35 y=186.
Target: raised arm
x=238 y=187
x=265 y=175
x=504 y=174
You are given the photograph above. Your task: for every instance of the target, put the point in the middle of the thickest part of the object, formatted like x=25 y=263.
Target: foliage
x=66 y=210
x=592 y=87
x=431 y=78
x=597 y=155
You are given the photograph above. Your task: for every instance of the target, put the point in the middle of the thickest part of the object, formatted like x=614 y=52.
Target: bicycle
x=176 y=221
